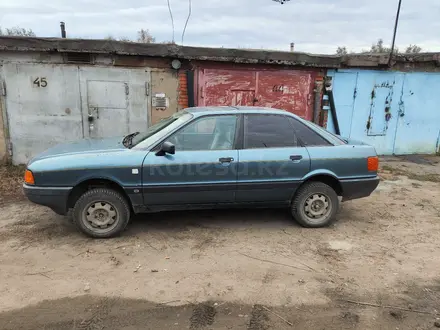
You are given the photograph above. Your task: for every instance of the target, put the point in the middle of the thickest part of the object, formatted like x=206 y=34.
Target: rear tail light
x=373 y=164
x=29 y=177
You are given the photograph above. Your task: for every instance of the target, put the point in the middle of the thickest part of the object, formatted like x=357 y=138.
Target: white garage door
x=51 y=104
x=43 y=107
x=114 y=101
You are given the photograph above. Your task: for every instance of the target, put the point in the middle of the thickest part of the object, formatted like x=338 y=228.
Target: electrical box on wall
x=160 y=101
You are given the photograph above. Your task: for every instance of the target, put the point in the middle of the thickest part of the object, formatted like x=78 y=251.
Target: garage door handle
x=226 y=160
x=296 y=157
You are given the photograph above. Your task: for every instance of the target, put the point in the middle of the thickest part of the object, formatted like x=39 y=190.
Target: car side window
x=308 y=136
x=206 y=133
x=268 y=131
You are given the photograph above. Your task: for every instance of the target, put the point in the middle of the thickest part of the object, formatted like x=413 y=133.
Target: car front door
x=203 y=169
x=272 y=160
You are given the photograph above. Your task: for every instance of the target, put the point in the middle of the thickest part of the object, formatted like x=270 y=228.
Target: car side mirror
x=166 y=148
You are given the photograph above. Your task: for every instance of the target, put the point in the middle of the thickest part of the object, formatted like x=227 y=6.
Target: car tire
x=315 y=205
x=101 y=213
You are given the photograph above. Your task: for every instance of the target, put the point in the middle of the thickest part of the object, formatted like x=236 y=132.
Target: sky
x=315 y=26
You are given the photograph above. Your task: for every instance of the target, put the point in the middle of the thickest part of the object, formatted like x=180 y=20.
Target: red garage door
x=290 y=90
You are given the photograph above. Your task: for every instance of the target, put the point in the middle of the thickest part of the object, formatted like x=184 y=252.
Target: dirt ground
x=376 y=267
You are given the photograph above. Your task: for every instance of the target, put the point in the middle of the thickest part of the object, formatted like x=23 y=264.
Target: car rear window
x=307 y=135
x=268 y=131
x=326 y=134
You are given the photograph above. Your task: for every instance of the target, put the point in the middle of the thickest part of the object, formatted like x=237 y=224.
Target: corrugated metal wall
x=290 y=90
x=397 y=112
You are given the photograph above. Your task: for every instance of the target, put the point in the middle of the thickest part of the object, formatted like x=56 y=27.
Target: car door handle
x=226 y=160
x=296 y=157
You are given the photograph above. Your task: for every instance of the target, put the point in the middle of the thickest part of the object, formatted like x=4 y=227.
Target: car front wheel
x=101 y=213
x=315 y=205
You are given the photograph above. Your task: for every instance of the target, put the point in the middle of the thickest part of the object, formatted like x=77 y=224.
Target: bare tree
x=341 y=51
x=17 y=31
x=413 y=49
x=378 y=48
x=124 y=39
x=144 y=36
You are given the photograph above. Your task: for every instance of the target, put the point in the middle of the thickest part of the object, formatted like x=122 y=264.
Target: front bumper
x=358 y=188
x=53 y=197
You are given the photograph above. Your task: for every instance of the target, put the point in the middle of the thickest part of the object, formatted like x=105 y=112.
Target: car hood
x=84 y=146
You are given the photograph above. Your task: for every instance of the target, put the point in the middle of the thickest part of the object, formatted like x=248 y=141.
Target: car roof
x=236 y=109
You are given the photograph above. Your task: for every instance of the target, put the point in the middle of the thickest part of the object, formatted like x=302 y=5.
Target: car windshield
x=162 y=127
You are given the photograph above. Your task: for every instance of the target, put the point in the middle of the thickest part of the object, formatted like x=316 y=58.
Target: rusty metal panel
x=242 y=97
x=43 y=107
x=290 y=90
x=217 y=86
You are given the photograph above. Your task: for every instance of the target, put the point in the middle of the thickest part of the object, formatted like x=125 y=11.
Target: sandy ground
x=245 y=269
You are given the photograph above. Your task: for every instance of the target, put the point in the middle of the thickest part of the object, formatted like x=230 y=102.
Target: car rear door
x=272 y=160
x=203 y=169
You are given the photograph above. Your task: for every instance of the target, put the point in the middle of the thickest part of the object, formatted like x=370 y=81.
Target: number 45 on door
x=40 y=82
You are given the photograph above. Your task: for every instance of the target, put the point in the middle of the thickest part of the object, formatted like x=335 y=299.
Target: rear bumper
x=53 y=197
x=358 y=188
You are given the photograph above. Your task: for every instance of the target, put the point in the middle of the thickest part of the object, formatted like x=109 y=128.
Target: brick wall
x=183 y=91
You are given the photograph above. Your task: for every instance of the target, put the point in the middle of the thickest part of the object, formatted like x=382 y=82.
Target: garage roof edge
x=102 y=46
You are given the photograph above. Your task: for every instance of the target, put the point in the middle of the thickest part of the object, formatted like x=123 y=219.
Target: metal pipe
x=333 y=111
x=317 y=107
x=63 y=30
x=395 y=33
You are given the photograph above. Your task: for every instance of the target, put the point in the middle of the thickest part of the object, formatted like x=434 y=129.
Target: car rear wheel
x=315 y=205
x=101 y=213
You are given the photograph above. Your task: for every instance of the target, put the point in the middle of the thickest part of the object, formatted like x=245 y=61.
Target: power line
x=187 y=19
x=171 y=15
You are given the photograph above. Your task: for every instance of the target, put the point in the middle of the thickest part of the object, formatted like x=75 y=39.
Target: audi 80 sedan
x=204 y=157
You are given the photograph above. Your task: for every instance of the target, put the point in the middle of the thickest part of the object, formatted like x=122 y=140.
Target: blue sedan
x=211 y=157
